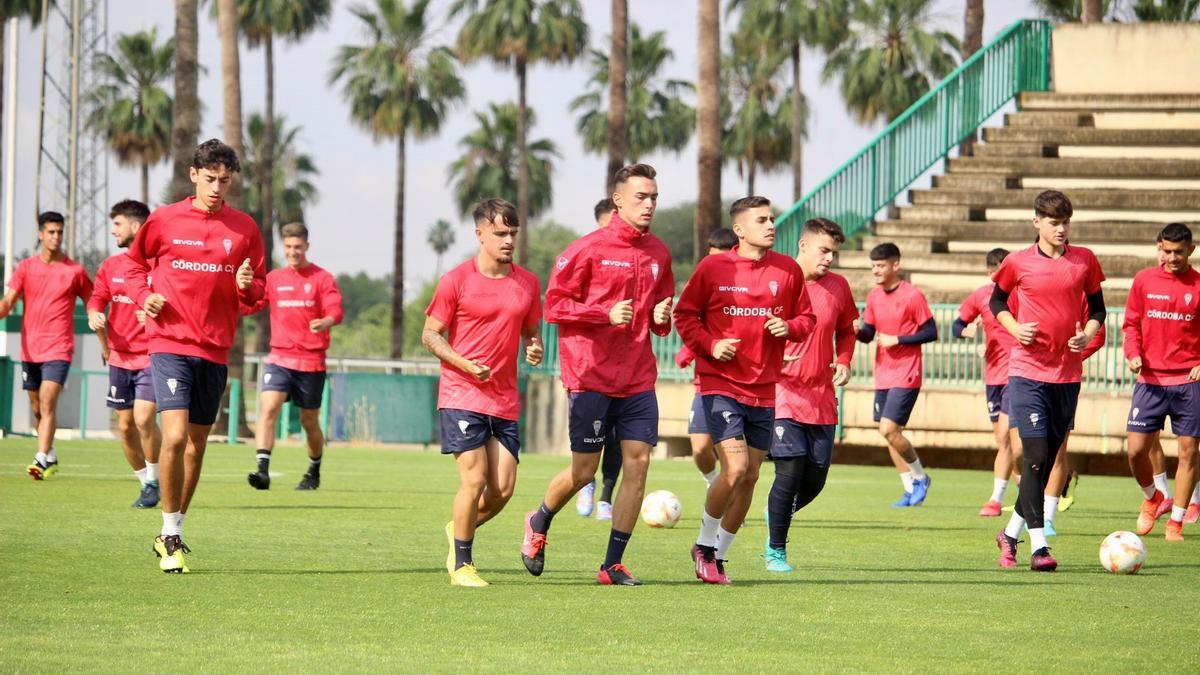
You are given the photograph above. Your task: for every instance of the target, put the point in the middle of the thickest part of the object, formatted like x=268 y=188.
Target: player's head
x=819 y=242
x=496 y=228
x=50 y=230
x=635 y=194
x=295 y=244
x=213 y=166
x=995 y=257
x=603 y=211
x=1052 y=217
x=1175 y=247
x=885 y=264
x=721 y=239
x=127 y=216
x=753 y=221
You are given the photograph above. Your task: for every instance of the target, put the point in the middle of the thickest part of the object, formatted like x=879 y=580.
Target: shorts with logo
x=591 y=415
x=464 y=430
x=997 y=401
x=697 y=422
x=1042 y=409
x=794 y=439
x=1153 y=404
x=727 y=418
x=32 y=373
x=895 y=404
x=188 y=383
x=125 y=386
x=303 y=388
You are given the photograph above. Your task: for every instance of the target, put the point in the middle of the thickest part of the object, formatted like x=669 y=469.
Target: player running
x=608 y=292
x=305 y=304
x=479 y=313
x=1048 y=280
x=123 y=341
x=736 y=313
x=49 y=283
x=206 y=258
x=1162 y=345
x=901 y=315
x=806 y=410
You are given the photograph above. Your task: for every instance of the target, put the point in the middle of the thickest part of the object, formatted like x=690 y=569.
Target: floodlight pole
x=73 y=132
x=10 y=149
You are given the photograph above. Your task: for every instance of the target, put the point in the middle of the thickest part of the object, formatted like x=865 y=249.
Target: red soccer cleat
x=1193 y=513
x=1042 y=561
x=1164 y=508
x=991 y=509
x=1149 y=513
x=616 y=575
x=706 y=565
x=1008 y=550
x=533 y=548
x=723 y=578
x=1174 y=530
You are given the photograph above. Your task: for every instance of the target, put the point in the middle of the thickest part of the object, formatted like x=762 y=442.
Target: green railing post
x=325 y=397
x=83 y=400
x=235 y=410
x=285 y=421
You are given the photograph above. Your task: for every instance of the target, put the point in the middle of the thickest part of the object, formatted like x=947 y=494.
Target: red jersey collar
x=191 y=202
x=623 y=230
x=748 y=261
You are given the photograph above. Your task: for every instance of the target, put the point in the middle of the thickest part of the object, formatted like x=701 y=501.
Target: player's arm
x=844 y=337
x=1023 y=333
x=1095 y=321
x=331 y=306
x=1132 y=326
x=1096 y=344
x=145 y=247
x=687 y=314
x=664 y=292
x=433 y=336
x=253 y=308
x=803 y=319
x=102 y=337
x=684 y=357
x=964 y=323
x=15 y=286
x=926 y=333
x=98 y=302
x=567 y=290
x=532 y=328
x=252 y=274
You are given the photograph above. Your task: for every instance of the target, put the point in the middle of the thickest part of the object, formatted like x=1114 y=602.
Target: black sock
x=541 y=519
x=314 y=467
x=264 y=460
x=1034 y=474
x=782 y=497
x=811 y=484
x=606 y=489
x=617 y=541
x=462 y=552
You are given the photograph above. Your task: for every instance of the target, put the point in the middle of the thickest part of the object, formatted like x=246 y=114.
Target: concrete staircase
x=1129 y=163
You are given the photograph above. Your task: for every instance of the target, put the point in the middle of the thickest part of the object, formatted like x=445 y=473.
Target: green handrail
x=1017 y=60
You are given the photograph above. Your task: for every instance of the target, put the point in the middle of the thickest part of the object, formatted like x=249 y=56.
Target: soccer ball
x=661 y=509
x=1122 y=553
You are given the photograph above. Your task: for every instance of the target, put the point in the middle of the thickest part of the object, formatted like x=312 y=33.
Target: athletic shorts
x=464 y=430
x=1042 y=409
x=124 y=386
x=188 y=383
x=591 y=415
x=796 y=439
x=697 y=423
x=303 y=388
x=1153 y=404
x=895 y=404
x=997 y=401
x=32 y=373
x=727 y=418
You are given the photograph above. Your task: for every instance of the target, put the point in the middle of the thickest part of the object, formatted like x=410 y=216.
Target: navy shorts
x=591 y=415
x=464 y=430
x=997 y=401
x=32 y=374
x=188 y=383
x=124 y=386
x=728 y=419
x=697 y=423
x=1042 y=409
x=303 y=388
x=895 y=404
x=797 y=439
x=1153 y=404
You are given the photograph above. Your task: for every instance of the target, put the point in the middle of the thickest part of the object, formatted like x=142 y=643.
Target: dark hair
x=747 y=203
x=131 y=209
x=212 y=154
x=602 y=207
x=996 y=256
x=1175 y=233
x=50 y=217
x=885 y=251
x=639 y=170
x=722 y=238
x=1052 y=204
x=294 y=230
x=490 y=209
x=825 y=226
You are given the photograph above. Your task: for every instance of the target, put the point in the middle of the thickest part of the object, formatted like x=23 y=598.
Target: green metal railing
x=1017 y=60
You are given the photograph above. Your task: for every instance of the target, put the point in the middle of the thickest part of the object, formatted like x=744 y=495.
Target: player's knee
x=125 y=425
x=474 y=482
x=734 y=474
x=1188 y=453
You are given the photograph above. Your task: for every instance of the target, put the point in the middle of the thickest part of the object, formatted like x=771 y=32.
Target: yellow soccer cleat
x=467 y=576
x=450 y=560
x=170 y=552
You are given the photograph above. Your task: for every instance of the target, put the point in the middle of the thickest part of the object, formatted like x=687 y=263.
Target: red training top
x=999 y=342
x=900 y=311
x=1162 y=325
x=48 y=322
x=296 y=298
x=127 y=340
x=805 y=391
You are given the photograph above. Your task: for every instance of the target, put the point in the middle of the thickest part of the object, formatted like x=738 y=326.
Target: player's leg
x=168 y=546
x=1158 y=463
x=1147 y=414
x=120 y=401
x=310 y=421
x=894 y=409
x=781 y=501
x=271 y=397
x=1185 y=483
x=1002 y=466
x=150 y=440
x=610 y=470
x=52 y=376
x=472 y=479
x=563 y=486
x=1028 y=422
x=703 y=452
x=635 y=463
x=758 y=424
x=502 y=451
x=208 y=388
x=1060 y=475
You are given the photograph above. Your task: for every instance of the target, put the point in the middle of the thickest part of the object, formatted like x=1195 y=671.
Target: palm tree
x=1068 y=10
x=656 y=118
x=618 y=73
x=132 y=110
x=185 y=113
x=759 y=135
x=490 y=160
x=397 y=84
x=708 y=125
x=1166 y=10
x=440 y=237
x=971 y=43
x=292 y=171
x=518 y=33
x=1093 y=11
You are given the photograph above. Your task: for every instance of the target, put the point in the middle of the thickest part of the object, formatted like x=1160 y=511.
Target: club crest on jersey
x=1187 y=299
x=654 y=270
x=462 y=426
x=560 y=263
x=307 y=289
x=172 y=383
x=267 y=377
x=774 y=286
x=228 y=244
x=596 y=427
x=779 y=433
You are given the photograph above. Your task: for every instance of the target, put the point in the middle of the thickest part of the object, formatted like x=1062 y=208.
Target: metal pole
x=10 y=149
x=73 y=170
x=83 y=401
x=41 y=117
x=235 y=420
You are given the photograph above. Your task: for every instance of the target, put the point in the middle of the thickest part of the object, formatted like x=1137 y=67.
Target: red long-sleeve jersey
x=194 y=255
x=296 y=298
x=1162 y=325
x=730 y=296
x=127 y=339
x=600 y=269
x=805 y=390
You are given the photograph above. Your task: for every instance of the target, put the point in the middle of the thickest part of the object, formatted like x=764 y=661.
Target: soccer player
x=305 y=304
x=207 y=259
x=901 y=315
x=1158 y=460
x=806 y=412
x=123 y=339
x=480 y=312
x=1162 y=345
x=736 y=313
x=995 y=376
x=49 y=282
x=1048 y=280
x=608 y=292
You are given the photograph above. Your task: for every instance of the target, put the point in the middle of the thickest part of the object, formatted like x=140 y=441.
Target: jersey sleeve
x=844 y=334
x=533 y=316
x=1005 y=276
x=83 y=284
x=919 y=307
x=258 y=261
x=663 y=290
x=145 y=247
x=1095 y=275
x=568 y=289
x=802 y=320
x=331 y=299
x=101 y=295
x=1095 y=345
x=687 y=313
x=17 y=282
x=970 y=310
x=868 y=315
x=1132 y=326
x=444 y=305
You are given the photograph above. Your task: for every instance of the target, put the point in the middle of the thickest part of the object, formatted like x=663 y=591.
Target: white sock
x=907 y=479
x=1160 y=482
x=180 y=519
x=1050 y=506
x=1037 y=539
x=41 y=458
x=724 y=541
x=1177 y=513
x=151 y=472
x=1196 y=494
x=712 y=475
x=999 y=485
x=51 y=456
x=1149 y=490
x=141 y=475
x=918 y=471
x=709 y=526
x=171 y=525
x=1015 y=525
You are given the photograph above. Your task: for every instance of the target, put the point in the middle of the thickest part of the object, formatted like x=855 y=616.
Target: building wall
x=1137 y=58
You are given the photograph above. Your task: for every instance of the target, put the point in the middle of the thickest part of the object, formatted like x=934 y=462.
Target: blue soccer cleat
x=903 y=501
x=920 y=491
x=777 y=560
x=1048 y=529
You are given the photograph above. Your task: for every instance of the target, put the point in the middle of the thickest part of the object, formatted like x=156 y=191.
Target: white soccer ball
x=661 y=509
x=1122 y=553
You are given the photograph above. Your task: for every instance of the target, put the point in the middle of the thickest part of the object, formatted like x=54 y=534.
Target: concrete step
x=976 y=181
x=1148 y=200
x=942 y=213
x=1125 y=152
x=1085 y=136
x=1107 y=102
x=1076 y=167
x=1104 y=120
x=1014 y=150
x=1107 y=232
x=915 y=245
x=968 y=263
x=1048 y=118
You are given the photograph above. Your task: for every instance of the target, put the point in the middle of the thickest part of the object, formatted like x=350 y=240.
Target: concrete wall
x=1137 y=58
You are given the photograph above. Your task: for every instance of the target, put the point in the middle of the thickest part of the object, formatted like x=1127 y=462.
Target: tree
x=759 y=135
x=1166 y=10
x=656 y=117
x=518 y=33
x=397 y=84
x=489 y=164
x=440 y=237
x=1093 y=11
x=971 y=43
x=618 y=73
x=133 y=111
x=546 y=243
x=1067 y=10
x=185 y=113
x=292 y=171
x=708 y=125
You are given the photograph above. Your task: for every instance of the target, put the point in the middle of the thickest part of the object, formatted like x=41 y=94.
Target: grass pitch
x=351 y=578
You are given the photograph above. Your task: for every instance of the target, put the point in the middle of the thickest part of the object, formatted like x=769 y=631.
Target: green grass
x=351 y=578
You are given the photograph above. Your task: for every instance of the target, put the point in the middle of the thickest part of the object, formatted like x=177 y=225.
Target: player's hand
x=886 y=340
x=1079 y=340
x=245 y=275
x=1026 y=332
x=970 y=330
x=534 y=352
x=662 y=312
x=1135 y=366
x=141 y=316
x=97 y=320
x=480 y=372
x=776 y=326
x=154 y=305
x=320 y=325
x=857 y=326
x=725 y=349
x=981 y=351
x=841 y=374
x=1195 y=374
x=621 y=313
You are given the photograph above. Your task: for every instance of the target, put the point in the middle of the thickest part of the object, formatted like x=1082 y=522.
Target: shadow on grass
x=304 y=507
x=279 y=572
